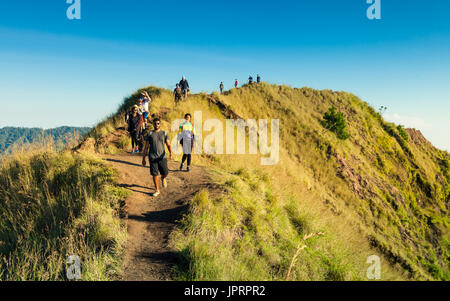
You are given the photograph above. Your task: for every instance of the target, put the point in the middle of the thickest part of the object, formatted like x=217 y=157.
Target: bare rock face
x=358 y=183
x=417 y=137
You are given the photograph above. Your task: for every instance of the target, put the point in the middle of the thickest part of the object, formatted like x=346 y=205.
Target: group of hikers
x=137 y=119
x=181 y=90
x=152 y=143
x=236 y=82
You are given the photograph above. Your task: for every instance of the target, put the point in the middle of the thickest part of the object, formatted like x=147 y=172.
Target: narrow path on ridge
x=150 y=219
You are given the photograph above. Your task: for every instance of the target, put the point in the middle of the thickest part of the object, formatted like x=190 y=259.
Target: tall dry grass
x=57 y=204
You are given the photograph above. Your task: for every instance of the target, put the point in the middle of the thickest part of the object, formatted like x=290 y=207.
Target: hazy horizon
x=84 y=68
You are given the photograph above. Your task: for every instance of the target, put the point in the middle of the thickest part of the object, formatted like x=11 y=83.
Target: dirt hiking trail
x=151 y=219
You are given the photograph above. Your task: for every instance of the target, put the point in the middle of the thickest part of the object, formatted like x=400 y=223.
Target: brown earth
x=148 y=255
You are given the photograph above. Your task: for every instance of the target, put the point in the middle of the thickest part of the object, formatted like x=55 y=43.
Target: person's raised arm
x=146 y=95
x=144 y=155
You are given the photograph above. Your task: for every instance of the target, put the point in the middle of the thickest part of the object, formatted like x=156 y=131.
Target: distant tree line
x=17 y=136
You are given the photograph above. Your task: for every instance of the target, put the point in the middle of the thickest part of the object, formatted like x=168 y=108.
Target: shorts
x=158 y=167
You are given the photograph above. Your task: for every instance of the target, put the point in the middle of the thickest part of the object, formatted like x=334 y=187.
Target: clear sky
x=55 y=71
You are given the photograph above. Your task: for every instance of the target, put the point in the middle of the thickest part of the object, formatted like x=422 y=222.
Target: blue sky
x=54 y=71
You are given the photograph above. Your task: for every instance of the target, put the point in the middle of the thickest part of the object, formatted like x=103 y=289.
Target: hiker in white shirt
x=146 y=100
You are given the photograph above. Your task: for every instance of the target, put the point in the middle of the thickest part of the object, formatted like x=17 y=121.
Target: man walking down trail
x=184 y=87
x=250 y=80
x=258 y=79
x=221 y=87
x=134 y=128
x=154 y=148
x=186 y=135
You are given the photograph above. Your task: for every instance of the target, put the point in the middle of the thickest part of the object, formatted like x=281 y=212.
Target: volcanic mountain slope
x=383 y=191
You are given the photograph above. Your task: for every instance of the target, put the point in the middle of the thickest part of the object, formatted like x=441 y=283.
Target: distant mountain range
x=16 y=136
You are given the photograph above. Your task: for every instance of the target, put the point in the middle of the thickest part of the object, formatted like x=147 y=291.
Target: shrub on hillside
x=402 y=132
x=399 y=134
x=335 y=122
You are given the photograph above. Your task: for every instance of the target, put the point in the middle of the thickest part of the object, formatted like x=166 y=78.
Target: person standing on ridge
x=250 y=80
x=141 y=111
x=221 y=87
x=147 y=129
x=140 y=106
x=186 y=135
x=134 y=128
x=184 y=87
x=130 y=110
x=236 y=83
x=178 y=93
x=155 y=150
x=146 y=101
x=145 y=116
x=258 y=79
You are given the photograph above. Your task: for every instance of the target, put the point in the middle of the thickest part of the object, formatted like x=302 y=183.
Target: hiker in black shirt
x=184 y=86
x=250 y=80
x=258 y=79
x=134 y=128
x=155 y=143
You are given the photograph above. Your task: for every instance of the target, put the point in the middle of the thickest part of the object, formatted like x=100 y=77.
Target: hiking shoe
x=156 y=193
x=132 y=152
x=188 y=169
x=181 y=166
x=164 y=183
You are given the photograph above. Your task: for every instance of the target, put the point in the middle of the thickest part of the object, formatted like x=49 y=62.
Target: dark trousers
x=134 y=139
x=188 y=157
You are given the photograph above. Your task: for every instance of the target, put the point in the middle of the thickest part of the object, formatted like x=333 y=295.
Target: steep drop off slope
x=384 y=191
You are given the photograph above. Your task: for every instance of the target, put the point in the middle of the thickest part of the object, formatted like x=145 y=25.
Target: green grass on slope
x=396 y=188
x=252 y=233
x=377 y=193
x=54 y=205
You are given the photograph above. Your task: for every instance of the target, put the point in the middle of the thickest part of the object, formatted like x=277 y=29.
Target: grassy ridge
x=54 y=205
x=382 y=191
x=254 y=230
x=392 y=187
